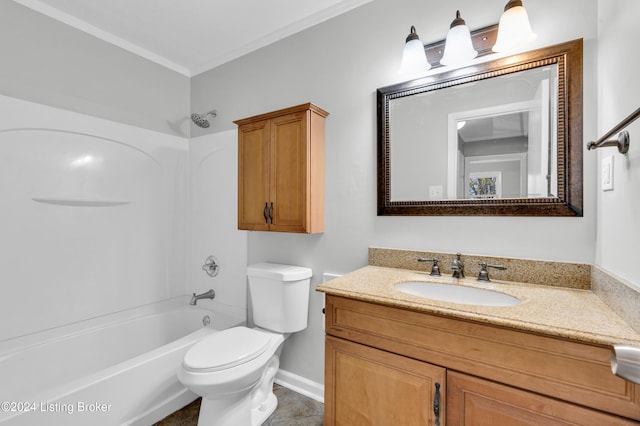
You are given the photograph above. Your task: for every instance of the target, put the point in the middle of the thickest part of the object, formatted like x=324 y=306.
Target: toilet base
x=263 y=400
x=225 y=412
x=236 y=413
x=245 y=409
x=262 y=413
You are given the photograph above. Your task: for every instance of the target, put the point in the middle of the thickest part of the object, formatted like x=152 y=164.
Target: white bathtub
x=115 y=370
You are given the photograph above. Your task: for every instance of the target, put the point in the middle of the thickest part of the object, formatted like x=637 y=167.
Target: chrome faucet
x=457 y=266
x=207 y=295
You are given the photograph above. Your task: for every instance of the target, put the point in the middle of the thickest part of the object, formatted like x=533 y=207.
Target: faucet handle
x=435 y=269
x=483 y=275
x=211 y=267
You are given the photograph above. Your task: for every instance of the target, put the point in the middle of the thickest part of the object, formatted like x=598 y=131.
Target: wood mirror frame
x=568 y=57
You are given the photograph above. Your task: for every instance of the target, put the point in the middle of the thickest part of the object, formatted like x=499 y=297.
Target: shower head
x=200 y=120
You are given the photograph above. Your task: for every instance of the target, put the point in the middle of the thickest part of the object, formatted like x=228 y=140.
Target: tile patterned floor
x=293 y=410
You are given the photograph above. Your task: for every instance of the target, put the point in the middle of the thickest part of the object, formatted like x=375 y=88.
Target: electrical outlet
x=607 y=173
x=435 y=192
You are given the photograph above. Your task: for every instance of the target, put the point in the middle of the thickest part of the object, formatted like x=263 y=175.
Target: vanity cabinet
x=368 y=386
x=281 y=170
x=382 y=364
x=479 y=402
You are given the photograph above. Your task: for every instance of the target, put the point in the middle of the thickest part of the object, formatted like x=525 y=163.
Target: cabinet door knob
x=436 y=404
x=271 y=213
x=264 y=212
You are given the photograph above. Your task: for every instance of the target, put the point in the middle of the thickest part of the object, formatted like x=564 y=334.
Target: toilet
x=233 y=370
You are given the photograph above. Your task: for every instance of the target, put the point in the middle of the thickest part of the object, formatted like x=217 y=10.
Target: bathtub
x=118 y=369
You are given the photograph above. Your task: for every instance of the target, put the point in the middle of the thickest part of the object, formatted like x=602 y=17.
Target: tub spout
x=208 y=295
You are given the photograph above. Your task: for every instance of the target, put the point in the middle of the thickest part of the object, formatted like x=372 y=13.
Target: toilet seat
x=226 y=349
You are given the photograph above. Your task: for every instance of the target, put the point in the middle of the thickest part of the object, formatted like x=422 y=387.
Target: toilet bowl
x=225 y=368
x=233 y=370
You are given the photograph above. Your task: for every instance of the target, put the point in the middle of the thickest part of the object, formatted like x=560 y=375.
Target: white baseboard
x=301 y=385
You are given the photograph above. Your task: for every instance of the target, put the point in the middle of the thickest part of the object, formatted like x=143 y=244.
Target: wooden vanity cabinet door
x=472 y=401
x=367 y=386
x=253 y=175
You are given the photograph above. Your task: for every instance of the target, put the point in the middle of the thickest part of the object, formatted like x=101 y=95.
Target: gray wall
x=618 y=230
x=51 y=63
x=338 y=65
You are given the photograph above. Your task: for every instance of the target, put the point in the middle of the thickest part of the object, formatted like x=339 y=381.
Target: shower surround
x=93 y=220
x=95 y=229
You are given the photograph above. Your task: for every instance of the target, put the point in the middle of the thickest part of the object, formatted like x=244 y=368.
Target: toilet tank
x=279 y=296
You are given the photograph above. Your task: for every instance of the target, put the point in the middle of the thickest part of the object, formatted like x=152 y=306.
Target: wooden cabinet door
x=253 y=172
x=289 y=173
x=472 y=401
x=367 y=386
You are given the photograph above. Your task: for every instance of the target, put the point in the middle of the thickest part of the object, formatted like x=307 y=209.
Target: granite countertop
x=555 y=311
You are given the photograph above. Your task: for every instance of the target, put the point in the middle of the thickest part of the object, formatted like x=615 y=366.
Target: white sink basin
x=456 y=294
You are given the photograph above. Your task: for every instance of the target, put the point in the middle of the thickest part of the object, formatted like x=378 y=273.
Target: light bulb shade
x=514 y=29
x=458 y=47
x=414 y=58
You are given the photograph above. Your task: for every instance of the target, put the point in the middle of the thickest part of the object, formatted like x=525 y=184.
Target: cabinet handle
x=271 y=213
x=436 y=404
x=264 y=212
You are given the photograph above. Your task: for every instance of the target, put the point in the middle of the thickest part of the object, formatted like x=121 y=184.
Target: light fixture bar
x=482 y=39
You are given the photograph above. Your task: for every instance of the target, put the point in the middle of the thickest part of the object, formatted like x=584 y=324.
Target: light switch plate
x=607 y=173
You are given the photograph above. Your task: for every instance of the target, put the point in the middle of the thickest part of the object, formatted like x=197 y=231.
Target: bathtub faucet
x=208 y=295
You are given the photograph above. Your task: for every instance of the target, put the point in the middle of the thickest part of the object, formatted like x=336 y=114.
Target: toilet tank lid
x=278 y=271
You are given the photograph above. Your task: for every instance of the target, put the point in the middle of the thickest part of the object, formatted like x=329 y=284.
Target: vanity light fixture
x=414 y=59
x=514 y=29
x=458 y=47
x=461 y=45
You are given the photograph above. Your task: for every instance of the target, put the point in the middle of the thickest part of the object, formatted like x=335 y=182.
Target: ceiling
x=191 y=36
x=494 y=127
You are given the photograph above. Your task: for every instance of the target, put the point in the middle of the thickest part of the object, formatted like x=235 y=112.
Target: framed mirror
x=502 y=137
